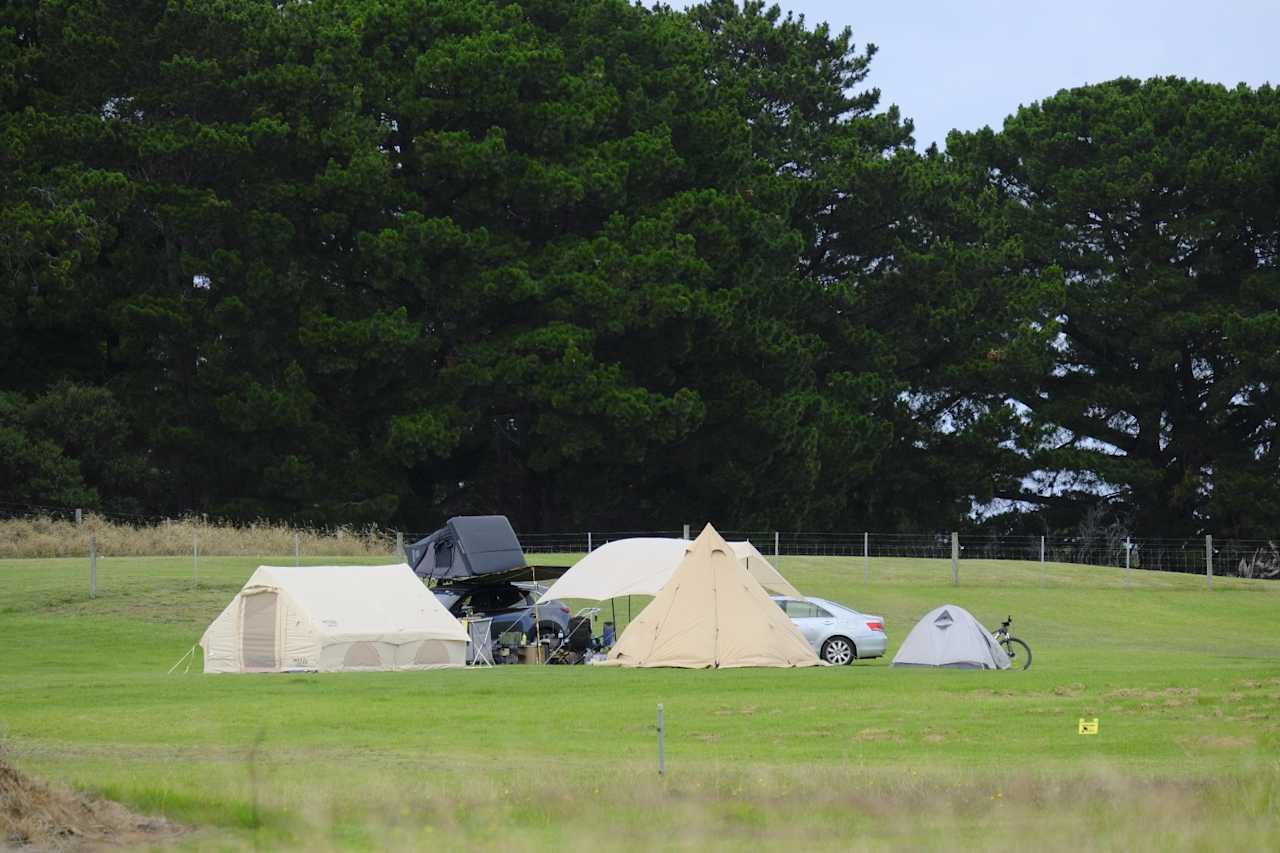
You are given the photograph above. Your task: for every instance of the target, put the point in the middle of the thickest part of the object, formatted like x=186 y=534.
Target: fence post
x=955 y=558
x=1128 y=550
x=662 y=743
x=399 y=543
x=1042 y=562
x=588 y=541
x=866 y=557
x=686 y=531
x=1208 y=559
x=93 y=565
x=776 y=552
x=195 y=560
x=79 y=517
x=297 y=549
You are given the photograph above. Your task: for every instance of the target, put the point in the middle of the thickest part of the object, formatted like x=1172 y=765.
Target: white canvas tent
x=643 y=566
x=949 y=636
x=333 y=619
x=712 y=613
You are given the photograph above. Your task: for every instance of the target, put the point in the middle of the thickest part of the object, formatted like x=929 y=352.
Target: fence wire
x=1246 y=558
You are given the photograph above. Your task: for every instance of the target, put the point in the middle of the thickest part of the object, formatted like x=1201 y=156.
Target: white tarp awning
x=643 y=566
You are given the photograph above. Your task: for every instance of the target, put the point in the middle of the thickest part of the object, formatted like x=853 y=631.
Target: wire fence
x=55 y=531
x=1248 y=558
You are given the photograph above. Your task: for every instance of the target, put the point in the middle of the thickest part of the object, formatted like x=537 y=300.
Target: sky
x=966 y=64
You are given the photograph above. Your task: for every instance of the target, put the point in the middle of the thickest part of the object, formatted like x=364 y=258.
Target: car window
x=801 y=610
x=496 y=598
x=781 y=603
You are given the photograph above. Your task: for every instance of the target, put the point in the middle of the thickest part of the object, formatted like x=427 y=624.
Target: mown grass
x=1185 y=682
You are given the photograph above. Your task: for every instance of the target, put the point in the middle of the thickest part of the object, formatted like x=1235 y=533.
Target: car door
x=812 y=620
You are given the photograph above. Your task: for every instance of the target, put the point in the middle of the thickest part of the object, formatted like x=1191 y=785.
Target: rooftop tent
x=333 y=619
x=643 y=566
x=712 y=613
x=949 y=636
x=469 y=545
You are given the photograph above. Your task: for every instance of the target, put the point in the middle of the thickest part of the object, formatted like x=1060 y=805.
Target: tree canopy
x=583 y=262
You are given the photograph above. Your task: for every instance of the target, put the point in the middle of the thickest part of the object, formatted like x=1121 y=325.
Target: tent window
x=444 y=553
x=362 y=655
x=431 y=652
x=258 y=632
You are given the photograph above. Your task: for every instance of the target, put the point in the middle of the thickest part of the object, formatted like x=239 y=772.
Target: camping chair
x=480 y=649
x=578 y=642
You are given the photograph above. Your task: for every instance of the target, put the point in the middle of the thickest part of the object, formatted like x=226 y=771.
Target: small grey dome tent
x=949 y=636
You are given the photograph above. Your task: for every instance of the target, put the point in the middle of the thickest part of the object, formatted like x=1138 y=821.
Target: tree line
x=592 y=264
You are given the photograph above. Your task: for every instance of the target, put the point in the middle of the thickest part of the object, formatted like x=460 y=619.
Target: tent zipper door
x=258 y=630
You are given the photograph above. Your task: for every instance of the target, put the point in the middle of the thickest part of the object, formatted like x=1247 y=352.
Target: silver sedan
x=840 y=635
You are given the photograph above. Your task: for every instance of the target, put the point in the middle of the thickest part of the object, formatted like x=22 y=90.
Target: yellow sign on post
x=1088 y=727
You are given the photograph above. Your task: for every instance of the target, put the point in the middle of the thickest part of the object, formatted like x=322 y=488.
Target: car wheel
x=838 y=651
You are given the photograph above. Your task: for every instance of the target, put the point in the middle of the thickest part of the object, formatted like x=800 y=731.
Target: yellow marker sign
x=1089 y=727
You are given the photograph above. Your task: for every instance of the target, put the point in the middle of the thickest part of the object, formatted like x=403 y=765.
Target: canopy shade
x=643 y=566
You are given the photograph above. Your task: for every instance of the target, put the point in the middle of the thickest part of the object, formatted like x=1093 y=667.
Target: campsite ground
x=1185 y=683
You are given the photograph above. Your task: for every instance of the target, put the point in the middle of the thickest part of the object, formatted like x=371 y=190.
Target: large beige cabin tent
x=642 y=566
x=333 y=619
x=712 y=613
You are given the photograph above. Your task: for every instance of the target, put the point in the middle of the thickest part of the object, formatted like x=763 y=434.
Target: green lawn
x=1185 y=683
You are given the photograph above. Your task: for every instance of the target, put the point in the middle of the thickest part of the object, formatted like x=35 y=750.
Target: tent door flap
x=258 y=632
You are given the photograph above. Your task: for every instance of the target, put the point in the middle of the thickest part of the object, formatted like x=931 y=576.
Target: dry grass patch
x=51 y=816
x=47 y=537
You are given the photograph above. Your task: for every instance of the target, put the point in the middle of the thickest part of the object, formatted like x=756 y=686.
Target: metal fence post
x=1128 y=550
x=93 y=566
x=588 y=541
x=686 y=531
x=297 y=549
x=1041 y=562
x=776 y=552
x=195 y=560
x=399 y=543
x=662 y=743
x=79 y=517
x=1208 y=559
x=866 y=557
x=955 y=558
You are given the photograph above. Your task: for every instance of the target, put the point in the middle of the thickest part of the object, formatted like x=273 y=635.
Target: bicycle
x=1018 y=651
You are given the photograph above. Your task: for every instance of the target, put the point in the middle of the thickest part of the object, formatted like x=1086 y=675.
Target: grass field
x=1185 y=683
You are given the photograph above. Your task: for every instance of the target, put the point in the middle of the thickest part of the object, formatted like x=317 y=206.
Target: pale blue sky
x=969 y=63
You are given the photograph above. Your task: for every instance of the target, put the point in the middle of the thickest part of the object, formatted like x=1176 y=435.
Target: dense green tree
x=1160 y=201
x=585 y=262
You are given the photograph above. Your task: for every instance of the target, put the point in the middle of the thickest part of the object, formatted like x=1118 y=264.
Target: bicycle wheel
x=1019 y=652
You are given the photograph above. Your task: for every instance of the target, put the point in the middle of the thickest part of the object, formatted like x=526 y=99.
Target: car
x=510 y=604
x=840 y=635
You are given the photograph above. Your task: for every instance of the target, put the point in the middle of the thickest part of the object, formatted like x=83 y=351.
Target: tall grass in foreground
x=43 y=536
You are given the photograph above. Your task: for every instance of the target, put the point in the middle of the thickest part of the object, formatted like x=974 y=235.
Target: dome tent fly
x=949 y=636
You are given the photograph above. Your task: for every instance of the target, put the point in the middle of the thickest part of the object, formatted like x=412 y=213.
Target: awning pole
x=537 y=622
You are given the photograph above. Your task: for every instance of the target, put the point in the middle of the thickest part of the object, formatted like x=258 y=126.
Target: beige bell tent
x=333 y=619
x=642 y=566
x=712 y=613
